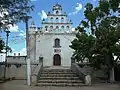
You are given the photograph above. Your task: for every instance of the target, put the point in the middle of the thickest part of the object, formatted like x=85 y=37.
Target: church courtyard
x=21 y=85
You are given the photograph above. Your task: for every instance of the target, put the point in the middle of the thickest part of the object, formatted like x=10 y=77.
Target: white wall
x=44 y=47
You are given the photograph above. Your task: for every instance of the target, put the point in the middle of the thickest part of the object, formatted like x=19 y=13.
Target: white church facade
x=52 y=40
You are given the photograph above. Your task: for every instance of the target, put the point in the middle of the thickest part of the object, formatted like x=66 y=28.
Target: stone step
x=57 y=70
x=60 y=81
x=61 y=78
x=57 y=75
x=61 y=84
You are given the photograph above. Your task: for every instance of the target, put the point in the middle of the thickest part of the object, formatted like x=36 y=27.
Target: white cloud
x=43 y=15
x=22 y=52
x=22 y=33
x=13 y=28
x=77 y=9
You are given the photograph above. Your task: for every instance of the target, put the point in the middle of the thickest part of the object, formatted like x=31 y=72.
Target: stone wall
x=16 y=59
x=82 y=74
x=18 y=71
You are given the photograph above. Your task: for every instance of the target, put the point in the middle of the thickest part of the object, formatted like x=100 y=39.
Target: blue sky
x=74 y=9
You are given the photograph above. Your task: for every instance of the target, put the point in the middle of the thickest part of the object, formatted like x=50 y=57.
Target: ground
x=21 y=85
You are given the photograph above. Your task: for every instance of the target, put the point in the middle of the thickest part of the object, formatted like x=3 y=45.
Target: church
x=52 y=40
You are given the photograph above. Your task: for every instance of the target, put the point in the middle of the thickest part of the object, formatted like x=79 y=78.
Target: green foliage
x=12 y=12
x=102 y=43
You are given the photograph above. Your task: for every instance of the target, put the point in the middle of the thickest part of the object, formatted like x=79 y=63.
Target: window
x=57 y=12
x=57 y=19
x=62 y=19
x=62 y=27
x=57 y=42
x=68 y=27
x=57 y=27
x=51 y=19
x=46 y=27
x=51 y=27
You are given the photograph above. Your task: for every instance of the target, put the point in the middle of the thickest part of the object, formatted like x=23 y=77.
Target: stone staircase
x=59 y=77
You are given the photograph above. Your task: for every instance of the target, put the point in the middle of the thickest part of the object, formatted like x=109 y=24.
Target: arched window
x=57 y=20
x=62 y=19
x=46 y=28
x=51 y=27
x=68 y=27
x=57 y=42
x=62 y=27
x=57 y=27
x=57 y=12
x=51 y=19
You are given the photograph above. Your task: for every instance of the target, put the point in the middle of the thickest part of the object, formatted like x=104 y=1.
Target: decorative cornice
x=57 y=15
x=55 y=23
x=55 y=33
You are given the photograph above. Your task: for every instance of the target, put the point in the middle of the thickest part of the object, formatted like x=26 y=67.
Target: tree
x=12 y=12
x=102 y=43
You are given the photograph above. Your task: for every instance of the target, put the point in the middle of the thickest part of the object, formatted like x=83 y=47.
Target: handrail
x=83 y=76
x=36 y=74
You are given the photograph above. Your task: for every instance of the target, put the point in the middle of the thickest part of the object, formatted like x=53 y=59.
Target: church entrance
x=57 y=60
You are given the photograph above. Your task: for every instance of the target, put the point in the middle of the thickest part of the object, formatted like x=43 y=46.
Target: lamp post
x=7 y=35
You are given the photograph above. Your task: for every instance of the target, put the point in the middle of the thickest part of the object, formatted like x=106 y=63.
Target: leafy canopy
x=98 y=37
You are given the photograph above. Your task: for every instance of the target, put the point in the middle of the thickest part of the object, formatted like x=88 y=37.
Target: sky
x=74 y=8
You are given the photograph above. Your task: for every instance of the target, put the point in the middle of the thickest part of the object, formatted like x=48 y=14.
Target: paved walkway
x=21 y=85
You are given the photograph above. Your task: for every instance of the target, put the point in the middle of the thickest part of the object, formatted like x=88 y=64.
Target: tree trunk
x=111 y=76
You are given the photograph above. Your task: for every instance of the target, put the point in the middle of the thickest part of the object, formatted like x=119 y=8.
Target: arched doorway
x=57 y=60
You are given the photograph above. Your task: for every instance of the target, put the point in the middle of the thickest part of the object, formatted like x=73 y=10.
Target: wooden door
x=57 y=60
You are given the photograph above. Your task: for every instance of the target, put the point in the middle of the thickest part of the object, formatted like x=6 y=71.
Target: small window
x=62 y=27
x=51 y=19
x=46 y=28
x=57 y=20
x=57 y=42
x=57 y=27
x=57 y=12
x=62 y=19
x=51 y=27
x=68 y=27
